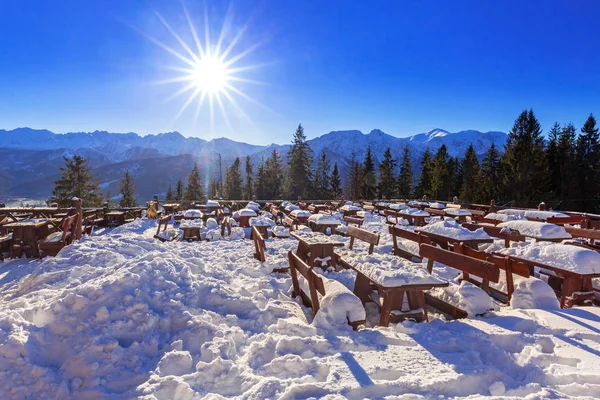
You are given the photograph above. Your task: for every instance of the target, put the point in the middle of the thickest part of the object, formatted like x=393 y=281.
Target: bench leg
x=390 y=298
x=362 y=288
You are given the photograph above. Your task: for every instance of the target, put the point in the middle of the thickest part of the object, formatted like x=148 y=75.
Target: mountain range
x=30 y=159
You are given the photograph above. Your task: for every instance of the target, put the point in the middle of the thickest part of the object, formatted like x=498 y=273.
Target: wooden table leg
x=390 y=299
x=571 y=284
x=362 y=288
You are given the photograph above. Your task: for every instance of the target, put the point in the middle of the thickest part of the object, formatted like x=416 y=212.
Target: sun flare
x=210 y=73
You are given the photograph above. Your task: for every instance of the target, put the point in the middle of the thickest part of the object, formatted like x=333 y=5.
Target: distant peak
x=377 y=132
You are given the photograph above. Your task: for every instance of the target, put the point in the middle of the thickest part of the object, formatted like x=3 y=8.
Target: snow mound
x=211 y=223
x=535 y=229
x=451 y=228
x=253 y=206
x=338 y=306
x=322 y=219
x=192 y=214
x=534 y=293
x=466 y=296
x=564 y=256
x=300 y=213
x=261 y=221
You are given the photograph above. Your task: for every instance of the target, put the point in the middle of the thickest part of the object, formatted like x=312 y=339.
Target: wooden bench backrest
x=68 y=225
x=315 y=282
x=571 y=220
x=483 y=220
x=259 y=244
x=494 y=231
x=369 y=237
x=291 y=222
x=409 y=235
x=592 y=234
x=435 y=211
x=483 y=269
x=162 y=223
x=353 y=220
x=516 y=268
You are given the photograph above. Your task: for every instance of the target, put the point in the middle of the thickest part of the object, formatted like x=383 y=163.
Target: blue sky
x=401 y=66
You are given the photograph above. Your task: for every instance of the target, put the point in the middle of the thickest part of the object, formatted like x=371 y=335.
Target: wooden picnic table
x=388 y=282
x=322 y=227
x=319 y=245
x=445 y=241
x=171 y=208
x=191 y=233
x=26 y=234
x=115 y=218
x=576 y=287
x=416 y=220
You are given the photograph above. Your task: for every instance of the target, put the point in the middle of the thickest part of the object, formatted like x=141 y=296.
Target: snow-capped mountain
x=30 y=159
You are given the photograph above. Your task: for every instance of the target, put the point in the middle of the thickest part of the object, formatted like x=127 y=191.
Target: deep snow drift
x=122 y=315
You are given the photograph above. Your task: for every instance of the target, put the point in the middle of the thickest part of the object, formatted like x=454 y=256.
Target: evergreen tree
x=405 y=181
x=456 y=178
x=369 y=179
x=179 y=190
x=588 y=166
x=233 y=181
x=213 y=188
x=336 y=183
x=552 y=158
x=524 y=162
x=322 y=178
x=194 y=189
x=299 y=166
x=108 y=199
x=77 y=180
x=354 y=181
x=440 y=174
x=170 y=196
x=387 y=172
x=274 y=176
x=567 y=164
x=424 y=186
x=248 y=192
x=261 y=181
x=490 y=176
x=127 y=191
x=470 y=176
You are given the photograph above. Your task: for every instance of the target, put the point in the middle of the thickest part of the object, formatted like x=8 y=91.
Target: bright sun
x=210 y=75
x=210 y=72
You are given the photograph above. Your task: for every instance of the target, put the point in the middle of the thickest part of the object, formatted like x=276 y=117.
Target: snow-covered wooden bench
x=411 y=251
x=371 y=238
x=161 y=230
x=486 y=271
x=353 y=220
x=504 y=263
x=5 y=240
x=506 y=234
x=483 y=220
x=226 y=226
x=260 y=247
x=291 y=222
x=315 y=287
x=580 y=220
x=387 y=280
x=54 y=242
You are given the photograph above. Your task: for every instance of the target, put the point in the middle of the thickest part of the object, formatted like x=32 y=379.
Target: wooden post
x=76 y=203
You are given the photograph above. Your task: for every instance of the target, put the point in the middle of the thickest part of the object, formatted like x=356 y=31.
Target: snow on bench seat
x=388 y=270
x=457 y=212
x=566 y=257
x=538 y=214
x=537 y=230
x=415 y=212
x=192 y=214
x=300 y=213
x=324 y=219
x=452 y=229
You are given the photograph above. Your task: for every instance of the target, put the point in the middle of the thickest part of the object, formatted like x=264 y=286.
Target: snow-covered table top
x=300 y=213
x=457 y=212
x=449 y=228
x=537 y=230
x=192 y=214
x=28 y=222
x=391 y=271
x=532 y=213
x=323 y=219
x=399 y=206
x=563 y=256
x=244 y=212
x=438 y=206
x=350 y=208
x=312 y=238
x=415 y=212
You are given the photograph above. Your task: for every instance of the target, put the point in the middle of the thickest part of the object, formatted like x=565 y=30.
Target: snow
x=192 y=214
x=291 y=207
x=212 y=204
x=244 y=212
x=415 y=212
x=323 y=219
x=389 y=270
x=399 y=206
x=538 y=230
x=502 y=217
x=457 y=212
x=350 y=208
x=438 y=206
x=261 y=221
x=338 y=306
x=122 y=315
x=253 y=206
x=300 y=213
x=520 y=214
x=452 y=229
x=189 y=223
x=533 y=293
x=280 y=231
x=465 y=296
x=564 y=256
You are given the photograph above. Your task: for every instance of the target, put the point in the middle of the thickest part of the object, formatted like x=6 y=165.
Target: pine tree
x=322 y=179
x=455 y=178
x=387 y=179
x=77 y=180
x=470 y=175
x=354 y=181
x=405 y=181
x=170 y=196
x=588 y=166
x=261 y=181
x=233 y=181
x=179 y=190
x=127 y=191
x=108 y=199
x=248 y=186
x=213 y=188
x=369 y=179
x=336 y=183
x=274 y=176
x=524 y=162
x=194 y=189
x=440 y=174
x=424 y=186
x=552 y=158
x=299 y=176
x=566 y=159
x=490 y=176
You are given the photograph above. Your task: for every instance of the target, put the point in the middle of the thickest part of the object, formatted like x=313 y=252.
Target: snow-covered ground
x=122 y=315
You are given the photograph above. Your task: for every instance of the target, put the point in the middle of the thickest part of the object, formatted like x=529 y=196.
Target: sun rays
x=207 y=72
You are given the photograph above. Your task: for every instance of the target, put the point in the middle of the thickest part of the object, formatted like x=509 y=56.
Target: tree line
x=563 y=171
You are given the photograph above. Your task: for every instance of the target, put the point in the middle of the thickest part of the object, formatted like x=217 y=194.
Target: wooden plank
x=482 y=269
